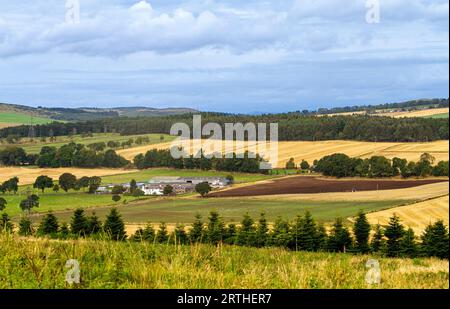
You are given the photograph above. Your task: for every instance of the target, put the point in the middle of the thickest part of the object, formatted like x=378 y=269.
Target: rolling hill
x=46 y=114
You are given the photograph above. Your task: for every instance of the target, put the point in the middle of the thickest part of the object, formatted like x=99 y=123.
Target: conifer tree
x=79 y=223
x=262 y=231
x=162 y=236
x=179 y=235
x=305 y=232
x=321 y=240
x=64 y=231
x=361 y=230
x=246 y=232
x=231 y=234
x=281 y=234
x=25 y=226
x=340 y=239
x=378 y=243
x=215 y=228
x=435 y=240
x=114 y=226
x=196 y=234
x=49 y=225
x=93 y=225
x=408 y=244
x=394 y=233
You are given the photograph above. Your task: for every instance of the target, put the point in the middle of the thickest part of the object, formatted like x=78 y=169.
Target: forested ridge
x=292 y=127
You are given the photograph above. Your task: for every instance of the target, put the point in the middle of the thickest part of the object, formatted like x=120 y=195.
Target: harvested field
x=306 y=184
x=417 y=216
x=416 y=113
x=310 y=151
x=28 y=175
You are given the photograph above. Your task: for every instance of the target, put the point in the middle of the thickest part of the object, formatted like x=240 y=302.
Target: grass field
x=35 y=145
x=62 y=201
x=40 y=264
x=417 y=216
x=183 y=210
x=9 y=119
x=310 y=151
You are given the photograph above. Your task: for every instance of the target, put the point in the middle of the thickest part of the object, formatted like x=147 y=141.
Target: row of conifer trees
x=302 y=234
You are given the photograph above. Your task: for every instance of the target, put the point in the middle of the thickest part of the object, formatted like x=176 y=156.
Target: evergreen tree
x=340 y=239
x=215 y=228
x=394 y=233
x=5 y=223
x=377 y=244
x=281 y=233
x=361 y=230
x=49 y=225
x=197 y=231
x=179 y=235
x=79 y=223
x=321 y=241
x=64 y=231
x=93 y=225
x=305 y=233
x=408 y=244
x=25 y=226
x=435 y=240
x=162 y=236
x=230 y=234
x=246 y=232
x=262 y=231
x=114 y=226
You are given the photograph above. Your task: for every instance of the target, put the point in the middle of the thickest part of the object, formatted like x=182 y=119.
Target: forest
x=292 y=127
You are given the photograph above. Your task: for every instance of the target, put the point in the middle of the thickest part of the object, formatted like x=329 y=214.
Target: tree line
x=294 y=126
x=163 y=158
x=303 y=234
x=69 y=155
x=340 y=165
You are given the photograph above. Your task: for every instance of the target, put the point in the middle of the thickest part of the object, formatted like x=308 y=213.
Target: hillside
x=84 y=114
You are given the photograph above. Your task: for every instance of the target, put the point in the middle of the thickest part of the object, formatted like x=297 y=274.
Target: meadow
x=27 y=263
x=183 y=210
x=9 y=119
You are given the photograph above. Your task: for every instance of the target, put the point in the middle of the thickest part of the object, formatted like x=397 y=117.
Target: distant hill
x=85 y=114
x=387 y=107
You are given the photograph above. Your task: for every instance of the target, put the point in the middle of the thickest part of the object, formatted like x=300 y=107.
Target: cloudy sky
x=231 y=55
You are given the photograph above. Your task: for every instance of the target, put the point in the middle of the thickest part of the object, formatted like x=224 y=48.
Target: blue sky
x=231 y=56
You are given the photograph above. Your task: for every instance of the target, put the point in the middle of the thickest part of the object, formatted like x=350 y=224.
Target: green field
x=16 y=118
x=40 y=264
x=62 y=201
x=145 y=175
x=439 y=116
x=183 y=210
x=36 y=145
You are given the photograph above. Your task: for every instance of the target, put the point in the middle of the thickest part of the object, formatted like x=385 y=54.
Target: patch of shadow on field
x=302 y=184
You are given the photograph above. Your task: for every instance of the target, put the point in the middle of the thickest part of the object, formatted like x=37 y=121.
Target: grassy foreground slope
x=36 y=263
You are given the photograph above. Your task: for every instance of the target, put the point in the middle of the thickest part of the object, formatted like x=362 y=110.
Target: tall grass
x=40 y=263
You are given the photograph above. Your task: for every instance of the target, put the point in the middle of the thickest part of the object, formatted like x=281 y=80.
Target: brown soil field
x=28 y=175
x=307 y=185
x=310 y=151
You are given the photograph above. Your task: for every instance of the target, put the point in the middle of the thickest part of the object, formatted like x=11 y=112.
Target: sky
x=228 y=56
